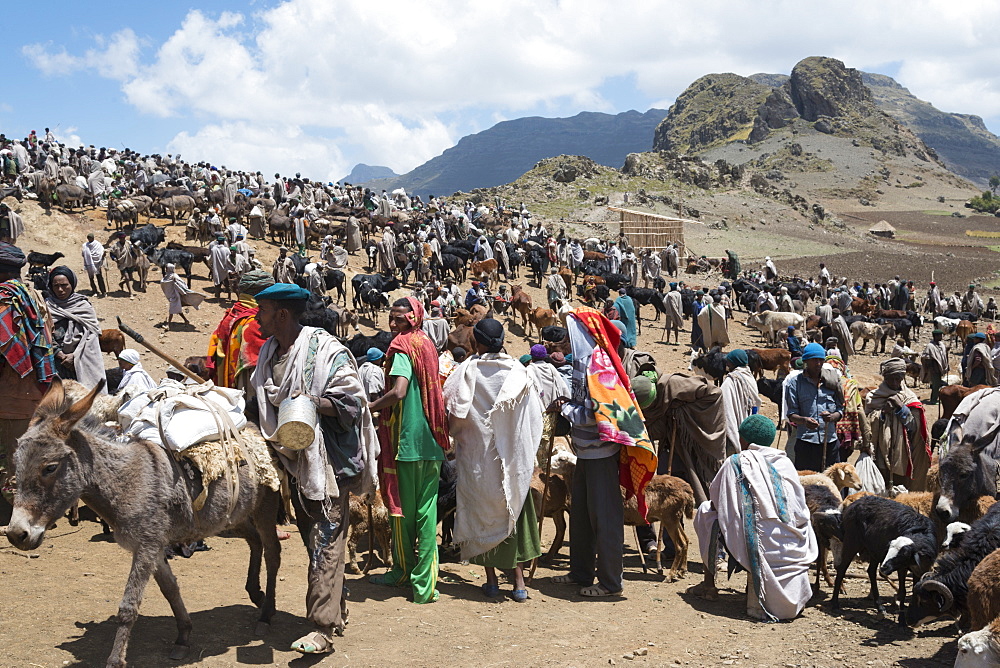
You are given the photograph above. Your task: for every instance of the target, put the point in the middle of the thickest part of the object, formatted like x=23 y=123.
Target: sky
x=316 y=86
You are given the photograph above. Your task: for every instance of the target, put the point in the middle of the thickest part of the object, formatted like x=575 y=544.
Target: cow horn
x=938 y=587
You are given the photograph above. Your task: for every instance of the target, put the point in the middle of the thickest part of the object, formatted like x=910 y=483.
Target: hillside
x=961 y=140
x=505 y=151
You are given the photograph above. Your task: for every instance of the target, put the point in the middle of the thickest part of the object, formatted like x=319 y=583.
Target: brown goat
x=359 y=526
x=668 y=501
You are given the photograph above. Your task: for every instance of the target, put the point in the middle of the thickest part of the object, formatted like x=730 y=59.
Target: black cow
x=960 y=315
x=454 y=265
x=363 y=283
x=318 y=315
x=900 y=326
x=712 y=364
x=179 y=258
x=645 y=297
x=148 y=237
x=359 y=344
x=538 y=261
x=335 y=278
x=458 y=251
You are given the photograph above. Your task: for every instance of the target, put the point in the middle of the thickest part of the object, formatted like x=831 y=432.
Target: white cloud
x=115 y=57
x=380 y=76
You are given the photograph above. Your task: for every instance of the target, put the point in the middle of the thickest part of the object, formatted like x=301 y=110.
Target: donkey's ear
x=54 y=398
x=74 y=413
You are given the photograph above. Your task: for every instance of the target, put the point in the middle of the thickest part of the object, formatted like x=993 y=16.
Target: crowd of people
x=393 y=417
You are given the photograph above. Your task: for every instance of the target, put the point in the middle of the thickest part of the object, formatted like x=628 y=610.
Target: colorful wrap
x=25 y=338
x=619 y=418
x=235 y=344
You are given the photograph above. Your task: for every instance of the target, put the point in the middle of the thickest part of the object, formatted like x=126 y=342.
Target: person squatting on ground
x=758 y=506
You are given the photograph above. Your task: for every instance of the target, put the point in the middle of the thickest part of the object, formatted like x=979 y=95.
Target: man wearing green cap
x=739 y=396
x=934 y=365
x=759 y=507
x=306 y=361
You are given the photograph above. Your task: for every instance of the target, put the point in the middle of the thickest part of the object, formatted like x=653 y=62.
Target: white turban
x=129 y=355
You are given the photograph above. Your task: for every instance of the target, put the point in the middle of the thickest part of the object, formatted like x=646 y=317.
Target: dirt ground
x=57 y=607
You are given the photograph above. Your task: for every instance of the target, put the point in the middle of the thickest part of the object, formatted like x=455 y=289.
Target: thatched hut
x=883 y=229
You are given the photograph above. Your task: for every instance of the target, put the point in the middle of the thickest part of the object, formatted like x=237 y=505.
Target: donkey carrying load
x=144 y=494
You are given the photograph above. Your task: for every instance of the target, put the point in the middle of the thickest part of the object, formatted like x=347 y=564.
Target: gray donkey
x=142 y=492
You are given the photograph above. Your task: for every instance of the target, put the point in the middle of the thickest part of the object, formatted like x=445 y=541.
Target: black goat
x=43 y=259
x=892 y=538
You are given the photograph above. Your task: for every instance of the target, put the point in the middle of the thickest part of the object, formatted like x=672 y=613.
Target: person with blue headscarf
x=626 y=314
x=815 y=403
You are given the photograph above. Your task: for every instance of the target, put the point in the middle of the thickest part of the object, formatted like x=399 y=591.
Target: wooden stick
x=673 y=446
x=638 y=547
x=138 y=338
x=371 y=539
x=545 y=491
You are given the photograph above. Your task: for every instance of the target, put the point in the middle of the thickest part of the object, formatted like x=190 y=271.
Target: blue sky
x=319 y=85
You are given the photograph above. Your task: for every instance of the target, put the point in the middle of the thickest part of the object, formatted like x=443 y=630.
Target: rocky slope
x=961 y=140
x=505 y=151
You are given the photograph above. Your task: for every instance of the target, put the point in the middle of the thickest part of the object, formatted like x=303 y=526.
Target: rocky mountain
x=363 y=173
x=509 y=149
x=962 y=140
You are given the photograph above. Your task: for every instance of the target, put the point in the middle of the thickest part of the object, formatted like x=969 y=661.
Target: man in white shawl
x=297 y=361
x=759 y=507
x=712 y=320
x=222 y=264
x=739 y=396
x=387 y=252
x=178 y=294
x=283 y=270
x=934 y=365
x=770 y=271
x=353 y=234
x=556 y=290
x=93 y=263
x=134 y=375
x=614 y=258
x=673 y=320
x=495 y=418
x=11 y=224
x=371 y=373
x=650 y=267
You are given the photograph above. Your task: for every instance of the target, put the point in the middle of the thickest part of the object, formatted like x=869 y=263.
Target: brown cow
x=964 y=329
x=520 y=302
x=889 y=313
x=771 y=359
x=112 y=341
x=862 y=307
x=461 y=337
x=569 y=278
x=952 y=395
x=594 y=255
x=487 y=271
x=541 y=317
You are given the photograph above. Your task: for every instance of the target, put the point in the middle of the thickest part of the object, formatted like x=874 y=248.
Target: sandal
x=490 y=590
x=564 y=580
x=313 y=643
x=520 y=595
x=594 y=591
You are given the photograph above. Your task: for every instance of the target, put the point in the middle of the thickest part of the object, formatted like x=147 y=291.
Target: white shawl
x=496 y=422
x=785 y=549
x=739 y=396
x=310 y=466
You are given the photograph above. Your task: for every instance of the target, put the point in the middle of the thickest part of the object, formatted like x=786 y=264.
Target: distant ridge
x=507 y=150
x=362 y=173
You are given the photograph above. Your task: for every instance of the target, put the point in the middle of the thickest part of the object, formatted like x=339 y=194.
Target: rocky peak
x=825 y=87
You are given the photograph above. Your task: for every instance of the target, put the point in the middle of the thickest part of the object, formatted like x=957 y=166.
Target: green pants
x=936 y=383
x=414 y=535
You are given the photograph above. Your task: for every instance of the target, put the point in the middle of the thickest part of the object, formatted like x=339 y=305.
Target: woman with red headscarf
x=414 y=436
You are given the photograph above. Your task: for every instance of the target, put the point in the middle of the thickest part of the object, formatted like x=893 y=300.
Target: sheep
x=824 y=515
x=834 y=478
x=891 y=537
x=668 y=500
x=359 y=526
x=953 y=535
x=980 y=649
x=851 y=498
x=943 y=592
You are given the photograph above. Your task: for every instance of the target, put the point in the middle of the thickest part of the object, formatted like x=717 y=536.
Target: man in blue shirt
x=815 y=402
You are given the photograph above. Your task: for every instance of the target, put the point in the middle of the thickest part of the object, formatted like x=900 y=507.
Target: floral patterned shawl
x=619 y=418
